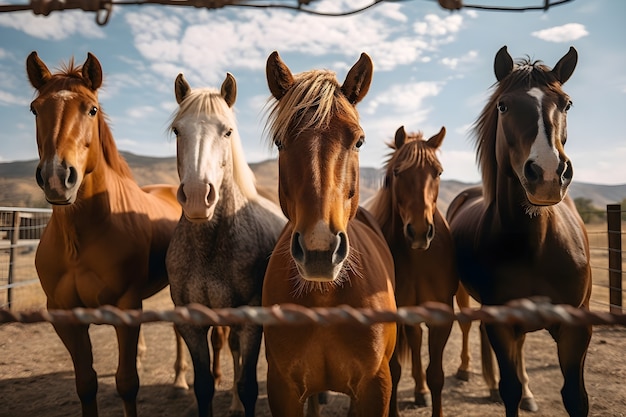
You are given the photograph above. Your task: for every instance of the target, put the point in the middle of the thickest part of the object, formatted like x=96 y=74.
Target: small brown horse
x=106 y=241
x=520 y=234
x=331 y=252
x=420 y=241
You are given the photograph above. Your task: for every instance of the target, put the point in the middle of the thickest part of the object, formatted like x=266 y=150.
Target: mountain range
x=19 y=189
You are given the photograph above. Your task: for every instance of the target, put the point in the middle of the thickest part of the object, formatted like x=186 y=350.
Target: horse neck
x=382 y=208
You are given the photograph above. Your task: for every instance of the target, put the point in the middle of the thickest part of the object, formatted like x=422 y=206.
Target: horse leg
x=414 y=339
x=528 y=402
x=180 y=365
x=463 y=301
x=395 y=369
x=126 y=377
x=437 y=339
x=373 y=396
x=282 y=396
x=218 y=337
x=77 y=342
x=236 y=406
x=572 y=343
x=250 y=338
x=506 y=347
x=487 y=364
x=141 y=348
x=313 y=408
x=203 y=383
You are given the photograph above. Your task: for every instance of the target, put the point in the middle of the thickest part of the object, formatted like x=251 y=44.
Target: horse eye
x=502 y=108
x=93 y=111
x=568 y=105
x=227 y=134
x=32 y=110
x=175 y=131
x=360 y=142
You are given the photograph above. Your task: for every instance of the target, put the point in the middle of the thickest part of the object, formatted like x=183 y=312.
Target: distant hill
x=19 y=189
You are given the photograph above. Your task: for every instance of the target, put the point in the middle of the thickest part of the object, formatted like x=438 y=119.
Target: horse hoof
x=462 y=375
x=423 y=399
x=494 y=396
x=529 y=404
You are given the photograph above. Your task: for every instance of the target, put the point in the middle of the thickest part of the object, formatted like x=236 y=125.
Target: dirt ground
x=36 y=375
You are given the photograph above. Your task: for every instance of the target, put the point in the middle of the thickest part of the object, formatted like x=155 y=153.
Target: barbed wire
x=103 y=8
x=532 y=313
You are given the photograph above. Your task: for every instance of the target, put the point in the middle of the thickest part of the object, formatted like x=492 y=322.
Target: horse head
x=315 y=127
x=412 y=178
x=206 y=130
x=68 y=124
x=531 y=131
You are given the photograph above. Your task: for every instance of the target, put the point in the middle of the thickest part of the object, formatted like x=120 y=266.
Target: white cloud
x=404 y=98
x=565 y=33
x=11 y=99
x=434 y=26
x=56 y=26
x=453 y=63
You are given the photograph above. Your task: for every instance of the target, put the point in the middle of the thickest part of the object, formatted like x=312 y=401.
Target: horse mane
x=69 y=77
x=315 y=91
x=526 y=74
x=413 y=153
x=209 y=100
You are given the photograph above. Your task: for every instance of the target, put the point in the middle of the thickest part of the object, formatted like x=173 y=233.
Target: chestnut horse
x=106 y=240
x=221 y=246
x=519 y=235
x=331 y=252
x=420 y=241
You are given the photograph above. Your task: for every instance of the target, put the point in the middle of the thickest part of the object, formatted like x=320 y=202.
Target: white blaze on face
x=543 y=151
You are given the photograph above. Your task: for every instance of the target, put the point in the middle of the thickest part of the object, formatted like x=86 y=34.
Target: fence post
x=15 y=236
x=614 y=231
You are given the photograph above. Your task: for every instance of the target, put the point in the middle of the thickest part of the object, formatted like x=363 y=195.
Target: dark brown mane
x=70 y=78
x=414 y=152
x=526 y=74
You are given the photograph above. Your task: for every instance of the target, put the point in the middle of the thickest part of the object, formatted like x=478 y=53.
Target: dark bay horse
x=221 y=246
x=519 y=235
x=331 y=252
x=420 y=241
x=106 y=240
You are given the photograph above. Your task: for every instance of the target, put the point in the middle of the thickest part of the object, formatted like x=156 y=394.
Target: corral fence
x=20 y=229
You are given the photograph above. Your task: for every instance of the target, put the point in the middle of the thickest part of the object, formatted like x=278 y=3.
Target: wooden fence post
x=15 y=236
x=614 y=231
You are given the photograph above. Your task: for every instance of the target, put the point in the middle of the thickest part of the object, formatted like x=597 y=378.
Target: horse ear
x=566 y=65
x=358 y=80
x=229 y=89
x=503 y=64
x=279 y=77
x=181 y=88
x=38 y=73
x=436 y=141
x=92 y=72
x=400 y=137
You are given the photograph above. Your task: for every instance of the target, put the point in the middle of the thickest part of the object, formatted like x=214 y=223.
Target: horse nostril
x=210 y=197
x=297 y=252
x=39 y=177
x=72 y=177
x=410 y=231
x=341 y=251
x=180 y=194
x=431 y=231
x=566 y=171
x=532 y=171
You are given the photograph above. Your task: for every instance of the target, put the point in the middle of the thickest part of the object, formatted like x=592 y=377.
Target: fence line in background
x=20 y=229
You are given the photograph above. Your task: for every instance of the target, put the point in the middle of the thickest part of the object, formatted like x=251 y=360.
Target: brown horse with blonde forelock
x=106 y=240
x=423 y=252
x=331 y=252
x=520 y=235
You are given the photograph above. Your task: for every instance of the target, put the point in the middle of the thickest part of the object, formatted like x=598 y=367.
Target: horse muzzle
x=320 y=265
x=197 y=201
x=59 y=181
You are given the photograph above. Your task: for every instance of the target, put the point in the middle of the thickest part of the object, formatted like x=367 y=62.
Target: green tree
x=587 y=210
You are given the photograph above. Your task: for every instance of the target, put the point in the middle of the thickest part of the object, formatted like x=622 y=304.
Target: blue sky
x=432 y=68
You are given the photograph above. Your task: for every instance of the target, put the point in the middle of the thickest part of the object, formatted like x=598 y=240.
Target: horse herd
x=218 y=241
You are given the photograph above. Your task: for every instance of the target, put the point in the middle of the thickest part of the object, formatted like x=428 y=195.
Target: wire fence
x=23 y=300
